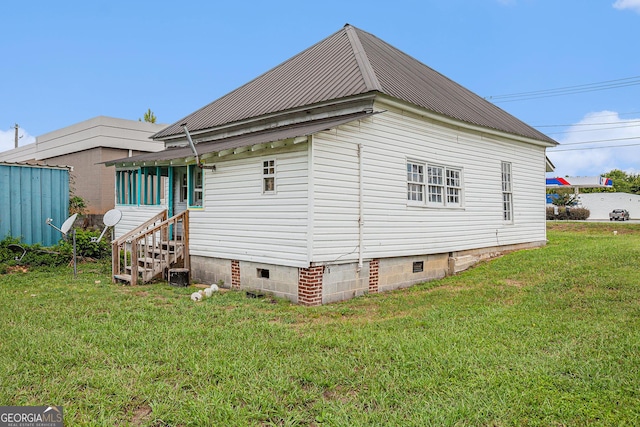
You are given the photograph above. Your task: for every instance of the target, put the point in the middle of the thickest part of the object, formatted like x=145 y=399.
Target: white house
x=349 y=168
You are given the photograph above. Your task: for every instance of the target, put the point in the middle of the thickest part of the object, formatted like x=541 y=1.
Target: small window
x=196 y=177
x=269 y=176
x=184 y=187
x=418 y=266
x=263 y=273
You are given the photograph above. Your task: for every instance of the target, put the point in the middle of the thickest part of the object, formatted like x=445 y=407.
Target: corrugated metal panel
x=29 y=195
x=328 y=70
x=347 y=63
x=406 y=78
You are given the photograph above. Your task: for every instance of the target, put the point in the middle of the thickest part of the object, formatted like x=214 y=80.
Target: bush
x=60 y=254
x=575 y=214
x=85 y=247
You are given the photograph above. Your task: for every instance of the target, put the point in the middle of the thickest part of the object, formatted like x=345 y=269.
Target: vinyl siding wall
x=239 y=222
x=133 y=216
x=392 y=227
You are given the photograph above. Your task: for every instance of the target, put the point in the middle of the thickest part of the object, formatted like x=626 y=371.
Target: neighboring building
x=350 y=168
x=31 y=194
x=85 y=146
x=600 y=204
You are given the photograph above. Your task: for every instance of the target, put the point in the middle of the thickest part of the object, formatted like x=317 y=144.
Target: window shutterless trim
x=434 y=185
x=268 y=176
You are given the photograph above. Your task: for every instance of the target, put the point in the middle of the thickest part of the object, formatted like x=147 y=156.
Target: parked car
x=619 y=215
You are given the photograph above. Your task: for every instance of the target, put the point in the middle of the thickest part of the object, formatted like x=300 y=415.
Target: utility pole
x=16 y=126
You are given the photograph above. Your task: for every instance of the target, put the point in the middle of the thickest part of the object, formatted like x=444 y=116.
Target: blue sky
x=65 y=62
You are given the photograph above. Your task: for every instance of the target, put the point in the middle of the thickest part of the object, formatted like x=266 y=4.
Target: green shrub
x=85 y=247
x=60 y=254
x=575 y=214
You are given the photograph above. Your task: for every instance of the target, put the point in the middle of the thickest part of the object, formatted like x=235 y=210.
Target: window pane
x=269 y=184
x=435 y=194
x=435 y=175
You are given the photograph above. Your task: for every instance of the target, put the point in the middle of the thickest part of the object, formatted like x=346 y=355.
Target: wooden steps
x=149 y=251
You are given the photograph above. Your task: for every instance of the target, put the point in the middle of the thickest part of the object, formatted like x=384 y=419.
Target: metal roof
x=347 y=63
x=251 y=139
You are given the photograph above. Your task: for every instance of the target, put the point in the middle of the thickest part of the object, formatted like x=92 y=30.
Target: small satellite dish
x=111 y=218
x=66 y=226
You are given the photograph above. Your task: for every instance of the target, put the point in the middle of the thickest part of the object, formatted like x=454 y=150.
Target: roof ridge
x=366 y=69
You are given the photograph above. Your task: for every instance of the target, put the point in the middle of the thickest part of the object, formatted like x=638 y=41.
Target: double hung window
x=507 y=192
x=269 y=176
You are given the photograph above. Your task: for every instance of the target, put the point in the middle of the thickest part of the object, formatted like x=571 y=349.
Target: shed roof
x=351 y=62
x=282 y=133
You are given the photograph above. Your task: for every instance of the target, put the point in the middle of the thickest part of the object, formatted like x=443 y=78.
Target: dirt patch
x=17 y=269
x=140 y=415
x=514 y=283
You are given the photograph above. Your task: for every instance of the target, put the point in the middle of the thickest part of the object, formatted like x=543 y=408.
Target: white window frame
x=269 y=168
x=195 y=193
x=441 y=186
x=506 y=173
x=415 y=182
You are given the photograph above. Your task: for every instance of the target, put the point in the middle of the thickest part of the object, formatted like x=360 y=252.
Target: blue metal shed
x=28 y=196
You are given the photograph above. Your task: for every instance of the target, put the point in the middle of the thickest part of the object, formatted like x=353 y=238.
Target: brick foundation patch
x=235 y=274
x=310 y=285
x=374 y=269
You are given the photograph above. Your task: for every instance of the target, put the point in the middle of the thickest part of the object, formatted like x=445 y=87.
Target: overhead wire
x=566 y=90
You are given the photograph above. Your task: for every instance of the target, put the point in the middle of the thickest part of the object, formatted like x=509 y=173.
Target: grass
x=545 y=337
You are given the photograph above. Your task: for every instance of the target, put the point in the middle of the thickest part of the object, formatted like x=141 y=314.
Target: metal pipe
x=193 y=147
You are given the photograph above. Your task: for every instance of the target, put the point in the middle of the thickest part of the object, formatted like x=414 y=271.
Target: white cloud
x=627 y=4
x=589 y=159
x=7 y=139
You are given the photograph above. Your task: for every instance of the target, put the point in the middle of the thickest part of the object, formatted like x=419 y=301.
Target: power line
x=597 y=148
x=566 y=90
x=589 y=124
x=593 y=130
x=598 y=140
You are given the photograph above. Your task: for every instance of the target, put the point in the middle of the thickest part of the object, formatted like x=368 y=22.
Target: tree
x=622 y=182
x=149 y=117
x=564 y=197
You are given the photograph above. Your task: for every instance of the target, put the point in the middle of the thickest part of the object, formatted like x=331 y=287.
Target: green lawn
x=545 y=337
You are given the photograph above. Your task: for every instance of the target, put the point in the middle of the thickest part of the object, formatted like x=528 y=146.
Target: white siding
x=239 y=222
x=133 y=216
x=393 y=228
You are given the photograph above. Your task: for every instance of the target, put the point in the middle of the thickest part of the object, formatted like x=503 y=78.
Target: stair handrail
x=160 y=216
x=142 y=232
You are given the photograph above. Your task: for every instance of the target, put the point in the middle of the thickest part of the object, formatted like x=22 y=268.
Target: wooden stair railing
x=151 y=249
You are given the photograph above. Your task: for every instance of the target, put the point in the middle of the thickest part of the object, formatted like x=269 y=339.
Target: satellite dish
x=111 y=218
x=66 y=226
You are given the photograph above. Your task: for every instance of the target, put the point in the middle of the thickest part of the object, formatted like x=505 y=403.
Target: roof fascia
x=394 y=102
x=255 y=124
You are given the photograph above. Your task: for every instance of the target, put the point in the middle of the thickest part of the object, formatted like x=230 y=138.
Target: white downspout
x=360 y=208
x=310 y=200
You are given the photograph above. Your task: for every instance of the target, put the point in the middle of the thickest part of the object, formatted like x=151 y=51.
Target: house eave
x=268 y=121
x=420 y=111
